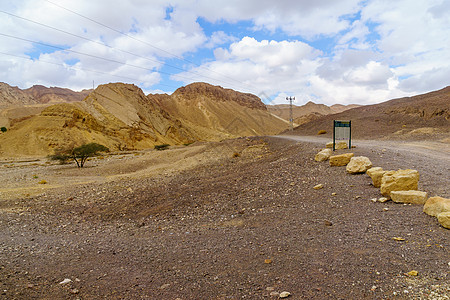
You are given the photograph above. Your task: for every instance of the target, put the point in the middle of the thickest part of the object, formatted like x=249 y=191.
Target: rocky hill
x=416 y=117
x=120 y=117
x=213 y=112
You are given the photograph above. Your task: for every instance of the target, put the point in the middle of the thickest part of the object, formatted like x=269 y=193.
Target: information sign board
x=342 y=131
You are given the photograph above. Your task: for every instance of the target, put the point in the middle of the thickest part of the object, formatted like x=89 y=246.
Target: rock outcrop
x=412 y=197
x=436 y=205
x=358 y=164
x=340 y=160
x=401 y=180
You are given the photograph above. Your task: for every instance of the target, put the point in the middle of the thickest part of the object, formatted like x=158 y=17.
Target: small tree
x=80 y=154
x=3 y=129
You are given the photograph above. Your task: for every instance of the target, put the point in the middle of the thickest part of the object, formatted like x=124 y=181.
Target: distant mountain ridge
x=308 y=110
x=38 y=94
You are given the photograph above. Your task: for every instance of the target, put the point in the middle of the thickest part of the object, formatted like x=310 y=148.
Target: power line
x=116 y=49
x=103 y=44
x=81 y=69
x=150 y=45
x=93 y=56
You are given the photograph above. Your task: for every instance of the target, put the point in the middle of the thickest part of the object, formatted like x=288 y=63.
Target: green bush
x=162 y=147
x=79 y=154
x=3 y=129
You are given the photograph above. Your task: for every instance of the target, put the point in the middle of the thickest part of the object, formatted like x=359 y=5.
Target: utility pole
x=291 y=117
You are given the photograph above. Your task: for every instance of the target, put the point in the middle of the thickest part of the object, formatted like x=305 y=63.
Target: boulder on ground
x=340 y=160
x=359 y=164
x=444 y=219
x=413 y=197
x=323 y=155
x=338 y=145
x=436 y=205
x=401 y=180
x=376 y=174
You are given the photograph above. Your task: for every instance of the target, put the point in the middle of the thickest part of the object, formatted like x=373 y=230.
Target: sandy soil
x=237 y=219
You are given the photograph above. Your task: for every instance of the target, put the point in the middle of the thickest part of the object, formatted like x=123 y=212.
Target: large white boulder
x=340 y=160
x=401 y=180
x=436 y=205
x=323 y=155
x=358 y=164
x=444 y=219
x=376 y=174
x=413 y=197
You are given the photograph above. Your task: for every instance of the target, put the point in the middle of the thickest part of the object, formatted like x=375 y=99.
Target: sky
x=325 y=51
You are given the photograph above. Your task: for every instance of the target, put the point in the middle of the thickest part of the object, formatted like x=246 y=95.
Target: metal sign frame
x=342 y=130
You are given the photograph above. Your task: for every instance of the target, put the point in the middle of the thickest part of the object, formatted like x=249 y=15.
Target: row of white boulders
x=400 y=186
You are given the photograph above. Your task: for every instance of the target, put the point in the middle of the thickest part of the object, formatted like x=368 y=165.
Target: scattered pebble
x=318 y=187
x=270 y=288
x=328 y=223
x=284 y=294
x=66 y=281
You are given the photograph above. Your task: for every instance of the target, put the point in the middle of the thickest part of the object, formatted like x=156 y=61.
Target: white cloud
x=376 y=49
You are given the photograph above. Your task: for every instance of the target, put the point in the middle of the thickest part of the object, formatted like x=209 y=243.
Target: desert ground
x=237 y=219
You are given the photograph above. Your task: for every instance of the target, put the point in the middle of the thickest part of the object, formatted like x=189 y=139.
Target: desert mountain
x=16 y=103
x=213 y=112
x=120 y=116
x=307 y=111
x=412 y=117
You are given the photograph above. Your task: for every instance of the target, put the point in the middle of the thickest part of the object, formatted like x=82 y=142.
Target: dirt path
x=244 y=226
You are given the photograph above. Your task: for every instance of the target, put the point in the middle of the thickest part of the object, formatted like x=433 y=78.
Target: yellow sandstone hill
x=118 y=116
x=213 y=112
x=121 y=117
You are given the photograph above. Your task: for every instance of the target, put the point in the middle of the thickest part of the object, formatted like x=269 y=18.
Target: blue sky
x=328 y=51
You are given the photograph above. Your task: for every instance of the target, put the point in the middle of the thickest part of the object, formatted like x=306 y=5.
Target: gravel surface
x=247 y=225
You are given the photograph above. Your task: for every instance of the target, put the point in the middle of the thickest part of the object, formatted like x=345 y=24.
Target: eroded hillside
x=121 y=117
